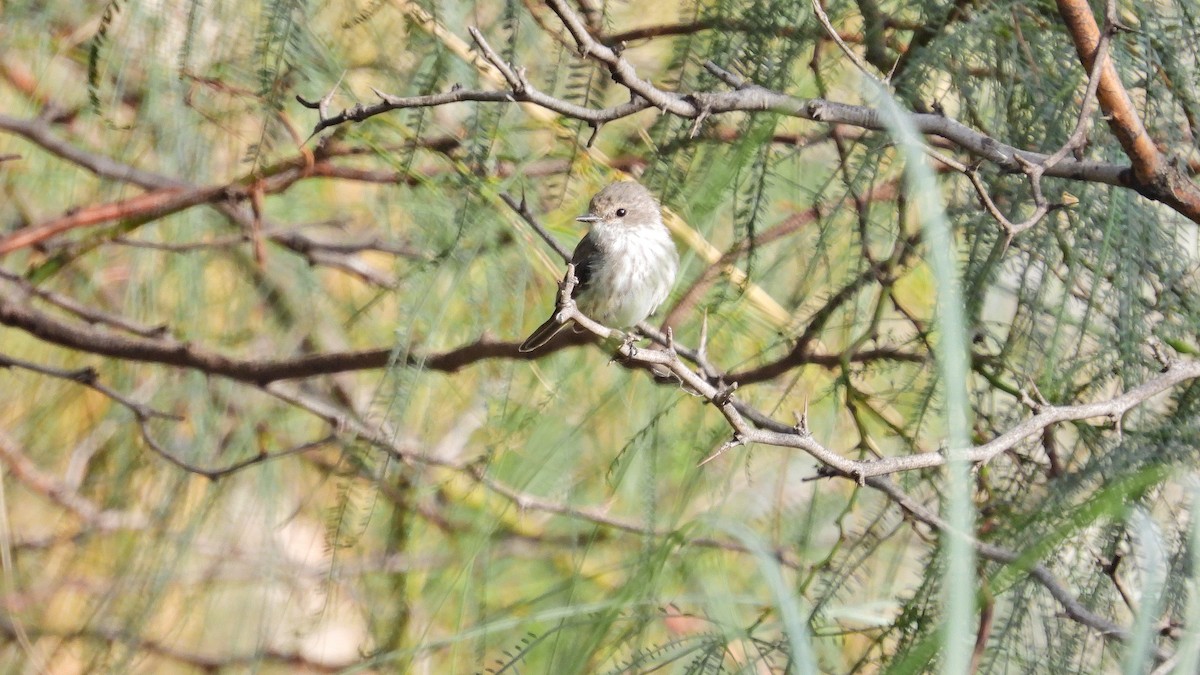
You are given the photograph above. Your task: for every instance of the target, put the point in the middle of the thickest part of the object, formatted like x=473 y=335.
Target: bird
x=625 y=264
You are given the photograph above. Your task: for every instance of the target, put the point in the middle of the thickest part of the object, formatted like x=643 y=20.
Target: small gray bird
x=625 y=264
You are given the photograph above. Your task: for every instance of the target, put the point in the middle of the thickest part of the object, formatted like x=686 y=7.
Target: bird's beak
x=589 y=218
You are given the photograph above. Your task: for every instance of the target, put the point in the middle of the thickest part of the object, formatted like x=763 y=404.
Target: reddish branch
x=224 y=198
x=1153 y=175
x=18 y=464
x=168 y=200
x=143 y=207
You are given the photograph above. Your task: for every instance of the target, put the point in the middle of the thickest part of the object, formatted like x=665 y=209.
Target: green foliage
x=97 y=43
x=559 y=521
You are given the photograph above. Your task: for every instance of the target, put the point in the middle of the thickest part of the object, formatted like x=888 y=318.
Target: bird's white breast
x=638 y=269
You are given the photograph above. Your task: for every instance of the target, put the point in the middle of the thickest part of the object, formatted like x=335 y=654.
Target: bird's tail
x=543 y=334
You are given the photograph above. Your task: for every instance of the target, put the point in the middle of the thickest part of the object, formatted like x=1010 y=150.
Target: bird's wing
x=586 y=259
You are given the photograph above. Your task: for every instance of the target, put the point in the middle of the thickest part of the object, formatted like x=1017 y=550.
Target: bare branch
x=522 y=209
x=83 y=311
x=214 y=474
x=175 y=195
x=23 y=469
x=751 y=98
x=621 y=70
x=88 y=378
x=1037 y=571
x=389 y=102
x=858 y=62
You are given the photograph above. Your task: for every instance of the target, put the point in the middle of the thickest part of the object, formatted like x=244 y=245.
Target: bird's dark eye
x=620 y=213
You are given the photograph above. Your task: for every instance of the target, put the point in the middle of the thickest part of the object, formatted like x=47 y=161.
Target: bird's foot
x=628 y=342
x=626 y=350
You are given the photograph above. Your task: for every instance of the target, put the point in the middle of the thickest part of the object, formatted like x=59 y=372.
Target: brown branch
x=987 y=614
x=88 y=377
x=522 y=209
x=168 y=351
x=143 y=207
x=350 y=427
x=722 y=397
x=214 y=474
x=167 y=200
x=29 y=474
x=1153 y=175
x=38 y=131
x=725 y=24
x=699 y=287
x=204 y=662
x=1037 y=571
x=799 y=354
x=84 y=311
x=749 y=98
x=283 y=175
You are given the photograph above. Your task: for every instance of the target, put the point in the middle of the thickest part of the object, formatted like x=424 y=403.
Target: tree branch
x=1154 y=176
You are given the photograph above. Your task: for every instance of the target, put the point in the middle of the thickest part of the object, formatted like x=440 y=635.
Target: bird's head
x=623 y=204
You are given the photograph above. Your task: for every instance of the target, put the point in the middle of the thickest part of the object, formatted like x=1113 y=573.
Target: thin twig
x=522 y=209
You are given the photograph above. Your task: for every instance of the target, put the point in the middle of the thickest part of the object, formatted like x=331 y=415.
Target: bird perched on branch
x=625 y=264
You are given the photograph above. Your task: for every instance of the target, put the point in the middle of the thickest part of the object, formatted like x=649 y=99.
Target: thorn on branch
x=700 y=102
x=1115 y=26
x=595 y=132
x=567 y=286
x=827 y=471
x=322 y=105
x=1032 y=397
x=822 y=473
x=801 y=426
x=724 y=393
x=738 y=439
x=86 y=376
x=1159 y=350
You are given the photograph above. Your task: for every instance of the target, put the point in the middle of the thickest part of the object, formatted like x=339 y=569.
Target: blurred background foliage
x=565 y=526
